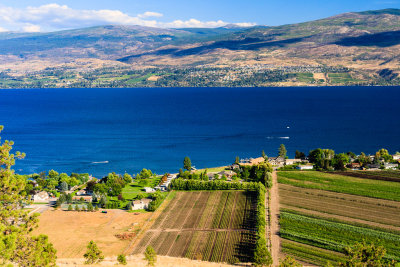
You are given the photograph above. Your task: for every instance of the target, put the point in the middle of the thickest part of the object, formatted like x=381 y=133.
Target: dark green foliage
x=181 y=184
x=187 y=164
x=150 y=255
x=299 y=155
x=340 y=161
x=121 y=259
x=93 y=254
x=282 y=151
x=158 y=198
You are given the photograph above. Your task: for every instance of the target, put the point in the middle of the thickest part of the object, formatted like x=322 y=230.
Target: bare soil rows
x=207 y=226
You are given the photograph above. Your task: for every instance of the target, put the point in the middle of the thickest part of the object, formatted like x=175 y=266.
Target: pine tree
x=93 y=254
x=187 y=164
x=17 y=245
x=282 y=151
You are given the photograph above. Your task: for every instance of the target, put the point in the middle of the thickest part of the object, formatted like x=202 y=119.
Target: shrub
x=122 y=259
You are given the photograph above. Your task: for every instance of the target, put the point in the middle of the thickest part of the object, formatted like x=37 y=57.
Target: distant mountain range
x=365 y=45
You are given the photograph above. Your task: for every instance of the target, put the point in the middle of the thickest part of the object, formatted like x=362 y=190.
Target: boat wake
x=100 y=162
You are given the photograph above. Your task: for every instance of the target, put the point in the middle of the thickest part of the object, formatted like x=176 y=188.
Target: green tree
x=150 y=255
x=237 y=160
x=299 y=155
x=64 y=186
x=282 y=151
x=93 y=254
x=127 y=178
x=122 y=259
x=289 y=262
x=77 y=207
x=365 y=255
x=263 y=154
x=140 y=196
x=340 y=161
x=17 y=245
x=69 y=207
x=262 y=257
x=90 y=207
x=187 y=164
x=53 y=174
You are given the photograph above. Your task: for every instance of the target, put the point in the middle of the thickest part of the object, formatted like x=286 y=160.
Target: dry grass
x=70 y=232
x=137 y=260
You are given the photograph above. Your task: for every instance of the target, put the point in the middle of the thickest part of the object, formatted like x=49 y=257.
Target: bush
x=122 y=259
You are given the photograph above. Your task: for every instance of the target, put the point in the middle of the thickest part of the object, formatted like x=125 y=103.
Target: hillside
x=351 y=48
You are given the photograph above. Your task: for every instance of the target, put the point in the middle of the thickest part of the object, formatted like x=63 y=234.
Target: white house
x=396 y=156
x=391 y=166
x=276 y=161
x=305 y=167
x=41 y=197
x=149 y=190
x=292 y=161
x=141 y=204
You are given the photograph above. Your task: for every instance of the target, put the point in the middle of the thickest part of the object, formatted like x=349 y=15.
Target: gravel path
x=276 y=242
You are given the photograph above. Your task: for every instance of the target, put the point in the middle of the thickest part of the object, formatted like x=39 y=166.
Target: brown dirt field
x=276 y=241
x=183 y=229
x=138 y=261
x=71 y=231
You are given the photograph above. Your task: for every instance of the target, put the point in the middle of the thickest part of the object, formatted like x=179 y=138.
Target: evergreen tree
x=282 y=151
x=64 y=186
x=69 y=207
x=263 y=154
x=187 y=164
x=17 y=245
x=93 y=254
x=237 y=160
x=150 y=255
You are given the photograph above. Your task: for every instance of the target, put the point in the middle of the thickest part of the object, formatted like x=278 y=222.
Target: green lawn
x=341 y=184
x=216 y=169
x=131 y=190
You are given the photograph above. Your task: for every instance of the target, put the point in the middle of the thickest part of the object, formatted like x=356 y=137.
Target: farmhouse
x=276 y=161
x=41 y=197
x=235 y=166
x=251 y=161
x=391 y=166
x=141 y=204
x=149 y=190
x=292 y=161
x=354 y=166
x=228 y=174
x=305 y=167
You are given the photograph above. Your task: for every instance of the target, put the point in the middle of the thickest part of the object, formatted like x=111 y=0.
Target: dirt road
x=275 y=242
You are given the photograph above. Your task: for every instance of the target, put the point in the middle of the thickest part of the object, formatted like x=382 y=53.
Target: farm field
x=213 y=226
x=393 y=176
x=341 y=184
x=71 y=231
x=323 y=213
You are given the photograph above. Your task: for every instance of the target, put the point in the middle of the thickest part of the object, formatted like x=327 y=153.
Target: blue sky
x=45 y=15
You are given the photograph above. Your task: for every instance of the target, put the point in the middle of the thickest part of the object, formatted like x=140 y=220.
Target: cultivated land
x=71 y=231
x=322 y=213
x=206 y=225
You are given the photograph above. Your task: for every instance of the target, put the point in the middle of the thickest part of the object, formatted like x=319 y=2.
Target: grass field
x=206 y=225
x=71 y=231
x=322 y=213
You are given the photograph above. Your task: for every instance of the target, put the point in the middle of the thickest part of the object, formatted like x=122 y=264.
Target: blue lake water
x=104 y=130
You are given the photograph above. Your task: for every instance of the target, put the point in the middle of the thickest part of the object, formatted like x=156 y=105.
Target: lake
x=124 y=130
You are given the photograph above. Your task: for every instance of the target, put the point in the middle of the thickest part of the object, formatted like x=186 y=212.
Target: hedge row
x=191 y=185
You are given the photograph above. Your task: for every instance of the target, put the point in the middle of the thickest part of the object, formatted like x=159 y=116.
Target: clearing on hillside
x=214 y=226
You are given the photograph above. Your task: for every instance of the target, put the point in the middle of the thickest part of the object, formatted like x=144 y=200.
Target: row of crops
x=324 y=213
x=393 y=176
x=341 y=184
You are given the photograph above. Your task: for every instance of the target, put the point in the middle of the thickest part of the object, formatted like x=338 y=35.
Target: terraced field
x=322 y=213
x=213 y=226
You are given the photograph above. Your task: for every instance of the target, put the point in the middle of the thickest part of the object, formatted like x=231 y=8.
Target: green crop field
x=341 y=184
x=323 y=213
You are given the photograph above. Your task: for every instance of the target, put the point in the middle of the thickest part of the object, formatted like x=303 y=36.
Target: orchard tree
x=282 y=151
x=93 y=254
x=17 y=245
x=187 y=164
